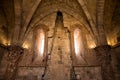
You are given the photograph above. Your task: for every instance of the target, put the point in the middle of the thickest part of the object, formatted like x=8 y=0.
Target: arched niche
x=78 y=45
x=40 y=45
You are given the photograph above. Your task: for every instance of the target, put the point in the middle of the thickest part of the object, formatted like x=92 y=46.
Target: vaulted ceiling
x=18 y=17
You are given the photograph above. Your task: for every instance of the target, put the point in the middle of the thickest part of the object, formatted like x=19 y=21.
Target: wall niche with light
x=39 y=45
x=78 y=46
x=82 y=46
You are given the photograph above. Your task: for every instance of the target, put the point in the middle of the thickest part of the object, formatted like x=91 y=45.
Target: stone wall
x=2 y=50
x=59 y=62
x=88 y=73
x=29 y=73
x=116 y=61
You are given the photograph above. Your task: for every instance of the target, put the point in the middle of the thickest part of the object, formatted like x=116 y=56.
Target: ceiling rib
x=92 y=24
x=17 y=25
x=27 y=21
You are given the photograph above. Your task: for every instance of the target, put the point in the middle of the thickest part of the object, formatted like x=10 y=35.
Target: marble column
x=104 y=57
x=13 y=57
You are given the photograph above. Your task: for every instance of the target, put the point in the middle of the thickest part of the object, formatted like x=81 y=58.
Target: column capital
x=13 y=56
x=103 y=47
x=13 y=52
x=103 y=54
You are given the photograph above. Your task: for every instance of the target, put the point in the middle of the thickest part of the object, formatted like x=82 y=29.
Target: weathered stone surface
x=29 y=13
x=12 y=57
x=88 y=73
x=59 y=65
x=104 y=58
x=29 y=73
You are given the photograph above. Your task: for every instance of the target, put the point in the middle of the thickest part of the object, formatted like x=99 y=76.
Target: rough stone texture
x=46 y=7
x=2 y=50
x=88 y=73
x=12 y=58
x=115 y=25
x=3 y=27
x=59 y=64
x=111 y=21
x=29 y=73
x=57 y=5
x=91 y=9
x=7 y=18
x=26 y=5
x=58 y=42
x=104 y=58
x=116 y=61
x=100 y=23
x=30 y=13
x=49 y=21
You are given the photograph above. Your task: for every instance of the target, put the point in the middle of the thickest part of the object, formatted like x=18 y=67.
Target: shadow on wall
x=2 y=49
x=116 y=61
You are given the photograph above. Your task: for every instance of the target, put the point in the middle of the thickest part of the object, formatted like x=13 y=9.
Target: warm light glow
x=79 y=46
x=4 y=41
x=112 y=39
x=90 y=42
x=112 y=42
x=25 y=46
x=92 y=45
x=8 y=43
x=109 y=42
x=40 y=41
x=77 y=40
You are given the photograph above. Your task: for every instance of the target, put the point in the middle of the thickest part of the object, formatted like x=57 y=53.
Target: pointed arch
x=40 y=44
x=78 y=45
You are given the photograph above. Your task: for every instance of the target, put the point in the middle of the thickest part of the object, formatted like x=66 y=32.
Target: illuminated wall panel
x=40 y=42
x=78 y=47
x=40 y=46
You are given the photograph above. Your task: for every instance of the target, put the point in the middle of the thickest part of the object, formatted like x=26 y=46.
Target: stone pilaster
x=104 y=58
x=13 y=56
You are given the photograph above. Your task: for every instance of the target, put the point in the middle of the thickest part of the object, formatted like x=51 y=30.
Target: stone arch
x=85 y=30
x=66 y=10
x=78 y=44
x=40 y=44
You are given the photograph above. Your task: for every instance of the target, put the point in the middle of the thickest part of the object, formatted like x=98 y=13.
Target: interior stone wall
x=88 y=73
x=29 y=73
x=59 y=65
x=2 y=67
x=2 y=50
x=6 y=21
x=3 y=28
x=116 y=61
x=111 y=21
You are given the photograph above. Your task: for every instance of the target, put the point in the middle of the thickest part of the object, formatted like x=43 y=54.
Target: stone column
x=12 y=56
x=104 y=58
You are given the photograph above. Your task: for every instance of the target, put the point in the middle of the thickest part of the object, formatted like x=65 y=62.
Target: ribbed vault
x=19 y=17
